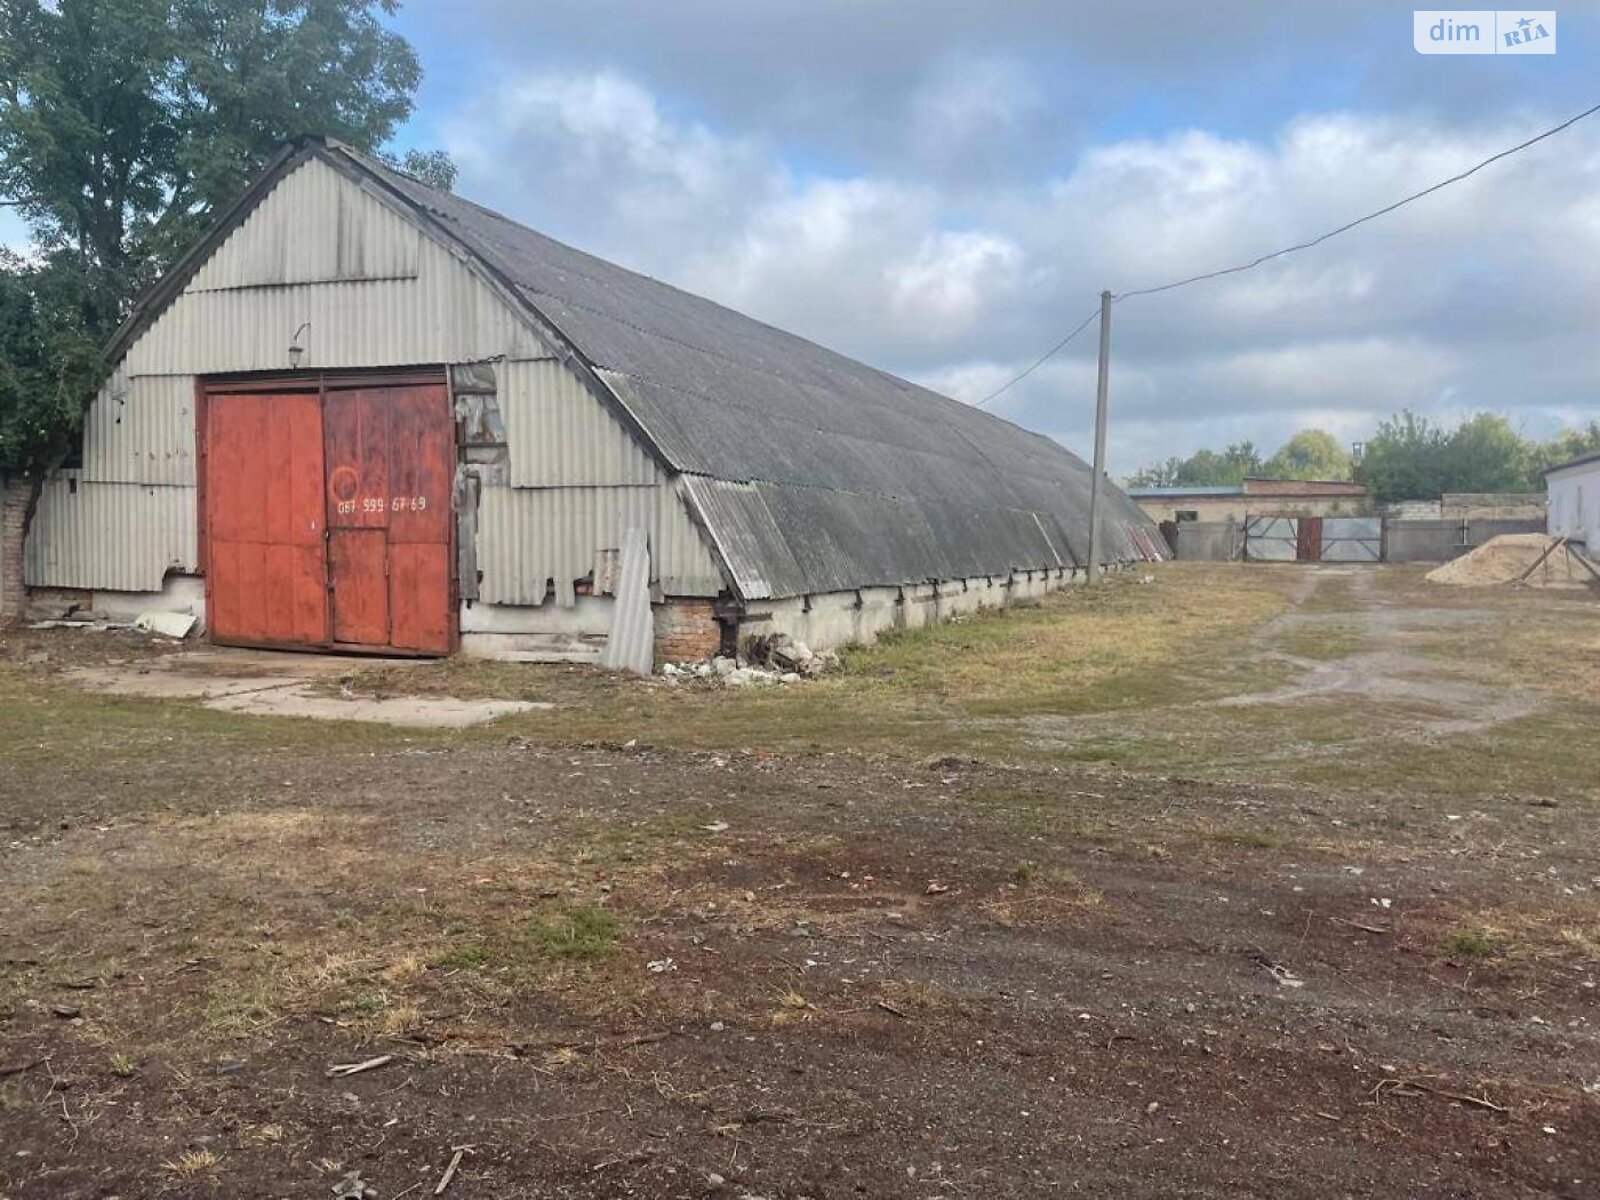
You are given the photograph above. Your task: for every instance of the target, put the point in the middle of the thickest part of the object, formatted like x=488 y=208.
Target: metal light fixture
x=296 y=350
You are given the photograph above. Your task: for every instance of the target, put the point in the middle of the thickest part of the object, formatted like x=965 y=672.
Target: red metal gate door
x=1308 y=543
x=357 y=440
x=422 y=457
x=266 y=572
x=390 y=461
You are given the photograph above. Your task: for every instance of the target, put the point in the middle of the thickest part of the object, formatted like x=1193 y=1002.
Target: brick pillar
x=17 y=496
x=687 y=631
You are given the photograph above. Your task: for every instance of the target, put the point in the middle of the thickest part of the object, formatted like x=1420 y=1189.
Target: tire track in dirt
x=1422 y=702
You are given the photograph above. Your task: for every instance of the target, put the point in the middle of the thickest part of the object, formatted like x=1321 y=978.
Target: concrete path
x=281 y=684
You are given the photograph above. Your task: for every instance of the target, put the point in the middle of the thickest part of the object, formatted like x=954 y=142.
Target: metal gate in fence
x=1351 y=539
x=1313 y=539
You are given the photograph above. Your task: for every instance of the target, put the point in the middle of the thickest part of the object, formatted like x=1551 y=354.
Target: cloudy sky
x=942 y=188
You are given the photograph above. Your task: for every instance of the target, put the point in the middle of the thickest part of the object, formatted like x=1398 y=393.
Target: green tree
x=1207 y=468
x=433 y=167
x=1162 y=474
x=1309 y=454
x=1410 y=458
x=1485 y=454
x=1203 y=468
x=126 y=125
x=1404 y=459
x=46 y=364
x=1568 y=444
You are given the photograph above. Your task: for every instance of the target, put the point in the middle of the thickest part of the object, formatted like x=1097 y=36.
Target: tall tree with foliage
x=1567 y=445
x=1404 y=459
x=1309 y=454
x=125 y=126
x=1411 y=458
x=1204 y=468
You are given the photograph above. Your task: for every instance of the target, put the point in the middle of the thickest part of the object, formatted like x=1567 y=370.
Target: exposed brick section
x=687 y=631
x=16 y=498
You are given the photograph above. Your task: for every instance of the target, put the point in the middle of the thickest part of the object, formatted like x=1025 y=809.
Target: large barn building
x=365 y=414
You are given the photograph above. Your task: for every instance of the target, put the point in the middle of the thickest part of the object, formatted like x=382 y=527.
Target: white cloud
x=1485 y=295
x=953 y=279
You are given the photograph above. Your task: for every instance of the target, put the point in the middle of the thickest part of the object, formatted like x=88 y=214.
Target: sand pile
x=1504 y=560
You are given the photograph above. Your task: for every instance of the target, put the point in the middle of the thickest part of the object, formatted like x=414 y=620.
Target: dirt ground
x=1245 y=881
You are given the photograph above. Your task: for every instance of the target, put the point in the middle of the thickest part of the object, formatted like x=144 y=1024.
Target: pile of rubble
x=774 y=659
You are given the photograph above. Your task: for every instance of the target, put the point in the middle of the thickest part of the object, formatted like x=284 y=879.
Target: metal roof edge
x=1581 y=461
x=682 y=486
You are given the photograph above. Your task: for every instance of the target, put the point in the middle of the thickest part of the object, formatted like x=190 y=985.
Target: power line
x=1372 y=216
x=1306 y=245
x=1043 y=358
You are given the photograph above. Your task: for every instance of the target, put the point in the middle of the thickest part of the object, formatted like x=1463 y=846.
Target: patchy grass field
x=1247 y=881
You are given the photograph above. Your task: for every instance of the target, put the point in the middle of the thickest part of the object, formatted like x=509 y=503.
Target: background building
x=1575 y=500
x=1253 y=497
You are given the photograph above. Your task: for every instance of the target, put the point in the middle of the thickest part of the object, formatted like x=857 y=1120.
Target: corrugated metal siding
x=682 y=562
x=141 y=431
x=444 y=314
x=748 y=536
x=117 y=536
x=561 y=436
x=448 y=318
x=353 y=237
x=528 y=538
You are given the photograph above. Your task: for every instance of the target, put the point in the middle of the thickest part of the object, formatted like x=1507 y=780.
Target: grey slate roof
x=810 y=471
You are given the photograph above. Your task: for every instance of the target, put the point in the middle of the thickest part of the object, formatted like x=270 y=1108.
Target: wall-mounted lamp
x=296 y=350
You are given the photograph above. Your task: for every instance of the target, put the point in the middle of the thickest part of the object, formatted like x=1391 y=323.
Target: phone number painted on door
x=377 y=504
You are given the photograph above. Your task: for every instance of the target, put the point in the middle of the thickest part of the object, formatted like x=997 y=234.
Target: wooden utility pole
x=1099 y=436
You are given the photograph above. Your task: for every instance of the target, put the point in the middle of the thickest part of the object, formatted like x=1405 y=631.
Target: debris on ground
x=1535 y=559
x=456 y=1155
x=774 y=658
x=353 y=1187
x=176 y=626
x=343 y=1069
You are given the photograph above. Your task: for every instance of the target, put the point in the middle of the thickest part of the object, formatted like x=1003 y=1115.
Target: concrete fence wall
x=1209 y=541
x=1441 y=541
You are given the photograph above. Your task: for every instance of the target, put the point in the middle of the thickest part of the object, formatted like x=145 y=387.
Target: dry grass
x=193 y=1163
x=1552 y=934
x=1554 y=650
x=1039 y=897
x=931 y=690
x=270 y=908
